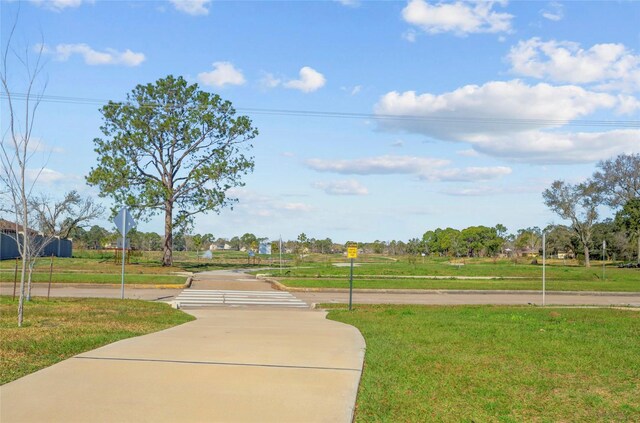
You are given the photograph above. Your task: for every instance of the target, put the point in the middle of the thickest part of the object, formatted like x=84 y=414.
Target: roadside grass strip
x=490 y=363
x=63 y=327
x=465 y=284
x=473 y=268
x=102 y=278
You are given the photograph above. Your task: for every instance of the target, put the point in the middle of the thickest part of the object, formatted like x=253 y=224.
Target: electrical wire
x=355 y=115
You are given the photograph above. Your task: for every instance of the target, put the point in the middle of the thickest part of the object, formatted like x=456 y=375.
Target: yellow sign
x=352 y=252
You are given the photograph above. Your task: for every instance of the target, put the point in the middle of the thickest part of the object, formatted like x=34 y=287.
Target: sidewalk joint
x=218 y=363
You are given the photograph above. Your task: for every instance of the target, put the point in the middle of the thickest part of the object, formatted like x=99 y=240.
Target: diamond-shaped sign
x=124 y=221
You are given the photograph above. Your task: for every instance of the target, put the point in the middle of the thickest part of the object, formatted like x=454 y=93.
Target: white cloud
x=59 y=5
x=611 y=65
x=270 y=81
x=468 y=153
x=310 y=80
x=192 y=7
x=410 y=35
x=253 y=203
x=554 y=11
x=355 y=90
x=397 y=144
x=296 y=207
x=36 y=145
x=425 y=168
x=459 y=17
x=468 y=174
x=382 y=165
x=224 y=73
x=513 y=120
x=561 y=148
x=495 y=107
x=349 y=3
x=493 y=190
x=63 y=52
x=48 y=176
x=342 y=187
x=628 y=105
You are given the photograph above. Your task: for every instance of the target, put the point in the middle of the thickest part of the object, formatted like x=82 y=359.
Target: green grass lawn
x=58 y=329
x=499 y=284
x=473 y=267
x=149 y=263
x=509 y=364
x=401 y=274
x=102 y=278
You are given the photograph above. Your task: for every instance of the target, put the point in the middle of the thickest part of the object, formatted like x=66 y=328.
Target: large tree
x=629 y=219
x=579 y=204
x=619 y=179
x=174 y=149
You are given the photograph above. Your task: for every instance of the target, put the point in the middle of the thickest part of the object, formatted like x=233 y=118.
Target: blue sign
x=265 y=248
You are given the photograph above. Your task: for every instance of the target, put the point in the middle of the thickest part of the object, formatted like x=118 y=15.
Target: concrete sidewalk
x=230 y=365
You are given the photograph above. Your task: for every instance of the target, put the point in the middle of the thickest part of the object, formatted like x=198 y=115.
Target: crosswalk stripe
x=204 y=297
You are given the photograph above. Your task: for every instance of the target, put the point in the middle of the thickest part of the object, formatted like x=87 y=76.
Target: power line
x=356 y=115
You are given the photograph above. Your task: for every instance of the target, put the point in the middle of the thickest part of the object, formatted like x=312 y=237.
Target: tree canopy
x=577 y=203
x=174 y=149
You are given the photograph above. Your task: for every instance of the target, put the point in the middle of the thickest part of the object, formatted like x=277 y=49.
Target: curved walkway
x=232 y=364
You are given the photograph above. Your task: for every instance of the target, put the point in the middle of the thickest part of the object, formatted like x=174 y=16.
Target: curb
x=104 y=285
x=188 y=283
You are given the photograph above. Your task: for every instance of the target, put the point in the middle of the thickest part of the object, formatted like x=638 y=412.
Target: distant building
x=9 y=247
x=530 y=252
x=216 y=247
x=565 y=255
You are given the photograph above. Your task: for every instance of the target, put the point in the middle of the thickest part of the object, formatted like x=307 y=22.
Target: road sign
x=127 y=244
x=265 y=248
x=352 y=253
x=124 y=221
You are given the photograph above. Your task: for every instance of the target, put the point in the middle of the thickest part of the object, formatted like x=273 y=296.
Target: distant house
x=530 y=252
x=9 y=228
x=216 y=247
x=565 y=255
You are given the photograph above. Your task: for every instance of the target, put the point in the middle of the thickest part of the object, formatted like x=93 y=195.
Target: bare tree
x=577 y=203
x=16 y=150
x=59 y=218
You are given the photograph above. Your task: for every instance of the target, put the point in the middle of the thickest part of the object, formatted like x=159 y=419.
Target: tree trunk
x=26 y=246
x=21 y=297
x=29 y=272
x=167 y=258
x=586 y=256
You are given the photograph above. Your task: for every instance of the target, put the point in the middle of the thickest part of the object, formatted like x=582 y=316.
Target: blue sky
x=508 y=95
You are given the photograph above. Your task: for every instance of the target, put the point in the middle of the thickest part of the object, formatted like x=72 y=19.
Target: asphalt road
x=440 y=298
x=432 y=297
x=96 y=291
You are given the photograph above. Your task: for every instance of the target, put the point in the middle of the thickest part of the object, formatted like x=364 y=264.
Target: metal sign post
x=124 y=222
x=604 y=249
x=544 y=264
x=352 y=253
x=280 y=251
